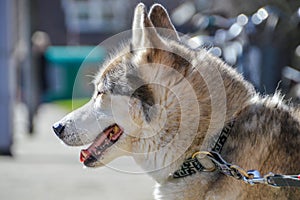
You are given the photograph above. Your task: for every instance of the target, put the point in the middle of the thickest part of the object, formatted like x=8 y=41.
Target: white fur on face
x=83 y=125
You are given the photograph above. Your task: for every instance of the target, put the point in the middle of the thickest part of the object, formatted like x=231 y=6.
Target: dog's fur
x=172 y=101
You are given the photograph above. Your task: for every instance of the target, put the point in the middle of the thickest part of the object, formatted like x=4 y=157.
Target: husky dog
x=160 y=101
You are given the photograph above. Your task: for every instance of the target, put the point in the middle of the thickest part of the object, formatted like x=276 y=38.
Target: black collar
x=192 y=165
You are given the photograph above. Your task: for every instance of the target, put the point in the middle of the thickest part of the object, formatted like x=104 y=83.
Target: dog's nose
x=58 y=129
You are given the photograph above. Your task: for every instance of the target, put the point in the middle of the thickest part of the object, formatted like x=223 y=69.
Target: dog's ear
x=144 y=34
x=160 y=19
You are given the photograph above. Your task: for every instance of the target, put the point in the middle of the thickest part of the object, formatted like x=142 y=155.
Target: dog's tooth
x=116 y=129
x=83 y=155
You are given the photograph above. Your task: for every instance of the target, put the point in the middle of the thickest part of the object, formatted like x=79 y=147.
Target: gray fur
x=194 y=94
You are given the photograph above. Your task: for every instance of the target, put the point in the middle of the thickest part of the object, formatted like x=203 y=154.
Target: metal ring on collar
x=206 y=153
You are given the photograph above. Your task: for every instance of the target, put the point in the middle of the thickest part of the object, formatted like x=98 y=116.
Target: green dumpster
x=68 y=70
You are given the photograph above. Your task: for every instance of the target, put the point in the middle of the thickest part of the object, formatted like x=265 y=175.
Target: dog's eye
x=99 y=93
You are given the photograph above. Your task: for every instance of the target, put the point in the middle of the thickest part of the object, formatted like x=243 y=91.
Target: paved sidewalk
x=44 y=169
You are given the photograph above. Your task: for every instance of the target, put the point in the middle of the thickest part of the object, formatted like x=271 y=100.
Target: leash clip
x=227 y=168
x=254 y=177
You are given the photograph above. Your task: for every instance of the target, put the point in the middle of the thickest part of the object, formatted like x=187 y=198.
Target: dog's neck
x=188 y=121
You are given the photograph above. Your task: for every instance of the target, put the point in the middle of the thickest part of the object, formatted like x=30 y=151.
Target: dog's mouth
x=104 y=140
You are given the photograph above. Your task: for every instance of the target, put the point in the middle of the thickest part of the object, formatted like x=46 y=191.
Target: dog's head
x=124 y=104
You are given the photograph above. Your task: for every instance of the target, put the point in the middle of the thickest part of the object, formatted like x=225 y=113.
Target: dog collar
x=192 y=165
x=252 y=177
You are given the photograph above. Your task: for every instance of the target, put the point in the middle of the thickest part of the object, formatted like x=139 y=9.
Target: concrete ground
x=42 y=168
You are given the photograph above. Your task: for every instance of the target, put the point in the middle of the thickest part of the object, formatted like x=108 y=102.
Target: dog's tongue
x=85 y=153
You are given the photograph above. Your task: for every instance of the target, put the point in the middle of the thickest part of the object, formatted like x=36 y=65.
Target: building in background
x=85 y=22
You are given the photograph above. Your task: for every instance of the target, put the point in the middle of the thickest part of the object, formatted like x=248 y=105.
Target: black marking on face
x=145 y=95
x=131 y=48
x=128 y=83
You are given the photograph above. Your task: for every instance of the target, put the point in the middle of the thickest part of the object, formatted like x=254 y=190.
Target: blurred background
x=44 y=43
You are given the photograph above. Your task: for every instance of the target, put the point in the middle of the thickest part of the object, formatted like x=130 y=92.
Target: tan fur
x=194 y=95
